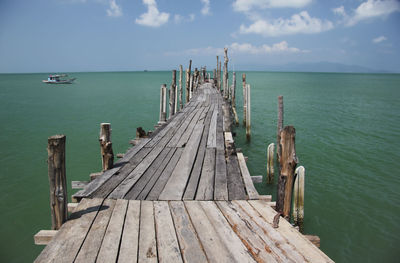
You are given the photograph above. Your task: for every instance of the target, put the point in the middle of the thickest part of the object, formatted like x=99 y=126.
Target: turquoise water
x=347 y=125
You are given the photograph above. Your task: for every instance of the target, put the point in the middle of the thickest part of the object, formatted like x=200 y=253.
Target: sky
x=129 y=35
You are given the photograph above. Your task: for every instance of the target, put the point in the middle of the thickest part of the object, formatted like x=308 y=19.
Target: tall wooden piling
x=215 y=77
x=163 y=104
x=244 y=98
x=190 y=86
x=187 y=91
x=280 y=127
x=270 y=163
x=180 y=88
x=57 y=180
x=248 y=111
x=233 y=91
x=219 y=77
x=298 y=197
x=107 y=154
x=287 y=163
x=171 y=102
x=225 y=76
x=175 y=91
x=217 y=72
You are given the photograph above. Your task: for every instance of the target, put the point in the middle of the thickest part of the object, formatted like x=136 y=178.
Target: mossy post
x=187 y=86
x=298 y=197
x=279 y=128
x=57 y=180
x=107 y=154
x=287 y=163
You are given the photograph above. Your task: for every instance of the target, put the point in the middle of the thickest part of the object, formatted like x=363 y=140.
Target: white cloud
x=179 y=18
x=339 y=11
x=379 y=39
x=373 y=9
x=247 y=5
x=298 y=23
x=244 y=48
x=114 y=10
x=152 y=17
x=206 y=7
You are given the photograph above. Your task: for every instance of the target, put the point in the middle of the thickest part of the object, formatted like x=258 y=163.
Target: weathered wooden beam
x=257 y=179
x=175 y=91
x=225 y=76
x=216 y=77
x=270 y=163
x=288 y=164
x=233 y=90
x=266 y=198
x=219 y=76
x=180 y=88
x=187 y=90
x=298 y=197
x=314 y=239
x=248 y=111
x=171 y=96
x=57 y=180
x=78 y=184
x=163 y=104
x=244 y=97
x=43 y=237
x=107 y=154
x=190 y=87
x=280 y=127
x=94 y=175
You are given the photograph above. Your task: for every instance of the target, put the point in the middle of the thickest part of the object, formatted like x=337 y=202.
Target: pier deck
x=107 y=230
x=188 y=158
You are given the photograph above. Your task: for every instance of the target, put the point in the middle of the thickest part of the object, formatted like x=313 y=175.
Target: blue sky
x=113 y=35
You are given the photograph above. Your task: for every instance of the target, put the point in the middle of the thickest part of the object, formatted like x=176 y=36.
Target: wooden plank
x=205 y=190
x=190 y=247
x=162 y=181
x=111 y=241
x=43 y=237
x=235 y=246
x=79 y=184
x=91 y=246
x=221 y=183
x=147 y=236
x=215 y=249
x=72 y=234
x=167 y=243
x=144 y=179
x=189 y=131
x=220 y=143
x=175 y=139
x=260 y=251
x=302 y=244
x=236 y=189
x=146 y=190
x=95 y=184
x=191 y=188
x=228 y=137
x=176 y=184
x=128 y=251
x=248 y=183
x=105 y=189
x=212 y=134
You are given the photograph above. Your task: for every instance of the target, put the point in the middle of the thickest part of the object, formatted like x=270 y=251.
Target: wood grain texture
x=147 y=236
x=251 y=190
x=128 y=251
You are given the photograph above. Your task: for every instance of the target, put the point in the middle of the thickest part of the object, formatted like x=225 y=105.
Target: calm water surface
x=347 y=137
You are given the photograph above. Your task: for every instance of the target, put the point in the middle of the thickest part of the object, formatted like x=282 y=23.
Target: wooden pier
x=182 y=194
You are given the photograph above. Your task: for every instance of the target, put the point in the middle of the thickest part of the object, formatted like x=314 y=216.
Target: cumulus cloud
x=379 y=39
x=114 y=10
x=206 y=7
x=299 y=23
x=373 y=9
x=339 y=11
x=244 y=48
x=179 y=18
x=247 y=5
x=152 y=17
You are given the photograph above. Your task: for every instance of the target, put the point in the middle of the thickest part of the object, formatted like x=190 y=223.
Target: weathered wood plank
x=91 y=246
x=214 y=247
x=72 y=234
x=43 y=237
x=110 y=246
x=163 y=179
x=182 y=128
x=260 y=251
x=147 y=236
x=189 y=130
x=167 y=243
x=128 y=251
x=212 y=134
x=236 y=189
x=302 y=244
x=190 y=246
x=205 y=190
x=251 y=190
x=221 y=183
x=176 y=184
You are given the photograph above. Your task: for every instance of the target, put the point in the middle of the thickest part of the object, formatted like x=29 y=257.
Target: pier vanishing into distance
x=182 y=193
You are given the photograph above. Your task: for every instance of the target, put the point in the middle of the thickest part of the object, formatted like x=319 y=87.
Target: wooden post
x=280 y=127
x=219 y=77
x=248 y=110
x=180 y=88
x=270 y=163
x=287 y=165
x=187 y=91
x=298 y=197
x=171 y=102
x=217 y=72
x=107 y=155
x=215 y=78
x=244 y=97
x=233 y=91
x=175 y=91
x=225 y=76
x=190 y=86
x=163 y=104
x=57 y=180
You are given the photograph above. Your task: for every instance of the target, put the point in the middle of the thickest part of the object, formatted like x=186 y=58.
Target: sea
x=347 y=138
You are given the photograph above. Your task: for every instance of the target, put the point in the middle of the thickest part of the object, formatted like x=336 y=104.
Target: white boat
x=58 y=79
